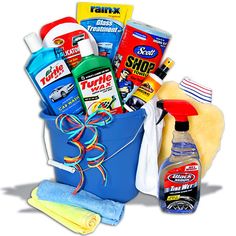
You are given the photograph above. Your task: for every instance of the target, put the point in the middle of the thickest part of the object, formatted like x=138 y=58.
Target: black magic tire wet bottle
x=180 y=174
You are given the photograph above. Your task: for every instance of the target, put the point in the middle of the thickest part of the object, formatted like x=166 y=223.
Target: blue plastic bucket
x=124 y=134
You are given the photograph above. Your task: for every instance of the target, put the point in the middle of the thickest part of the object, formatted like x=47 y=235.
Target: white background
x=203 y=46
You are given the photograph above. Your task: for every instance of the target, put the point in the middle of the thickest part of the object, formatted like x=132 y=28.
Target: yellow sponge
x=206 y=129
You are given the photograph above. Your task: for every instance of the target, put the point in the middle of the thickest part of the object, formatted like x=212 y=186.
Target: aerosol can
x=180 y=174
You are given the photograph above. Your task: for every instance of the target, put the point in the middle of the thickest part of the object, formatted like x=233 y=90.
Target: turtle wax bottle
x=52 y=78
x=180 y=174
x=96 y=82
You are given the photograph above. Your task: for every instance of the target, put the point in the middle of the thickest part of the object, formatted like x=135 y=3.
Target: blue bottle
x=52 y=78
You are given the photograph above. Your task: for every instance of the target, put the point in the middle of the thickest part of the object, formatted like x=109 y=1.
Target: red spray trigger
x=180 y=109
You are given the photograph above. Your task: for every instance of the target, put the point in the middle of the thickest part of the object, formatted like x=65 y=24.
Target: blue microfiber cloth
x=110 y=211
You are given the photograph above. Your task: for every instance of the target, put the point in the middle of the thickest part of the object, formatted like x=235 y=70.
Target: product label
x=144 y=51
x=143 y=94
x=139 y=54
x=107 y=33
x=181 y=187
x=103 y=9
x=99 y=91
x=147 y=89
x=105 y=22
x=51 y=73
x=57 y=88
x=69 y=44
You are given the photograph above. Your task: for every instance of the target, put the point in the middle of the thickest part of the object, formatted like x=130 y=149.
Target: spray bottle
x=180 y=174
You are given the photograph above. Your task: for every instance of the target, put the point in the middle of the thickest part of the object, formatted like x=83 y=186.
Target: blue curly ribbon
x=75 y=127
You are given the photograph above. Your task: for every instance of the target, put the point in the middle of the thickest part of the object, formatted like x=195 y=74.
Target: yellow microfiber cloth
x=206 y=129
x=76 y=219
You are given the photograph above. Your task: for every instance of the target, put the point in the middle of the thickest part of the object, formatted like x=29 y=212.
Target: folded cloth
x=197 y=91
x=147 y=170
x=76 y=219
x=110 y=211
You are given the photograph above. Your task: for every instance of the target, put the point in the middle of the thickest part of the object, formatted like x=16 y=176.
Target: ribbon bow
x=75 y=128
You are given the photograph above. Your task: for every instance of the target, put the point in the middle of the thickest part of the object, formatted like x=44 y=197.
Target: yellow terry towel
x=206 y=129
x=76 y=219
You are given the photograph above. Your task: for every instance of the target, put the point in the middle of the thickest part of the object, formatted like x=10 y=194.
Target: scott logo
x=144 y=51
x=51 y=74
x=111 y=10
x=181 y=178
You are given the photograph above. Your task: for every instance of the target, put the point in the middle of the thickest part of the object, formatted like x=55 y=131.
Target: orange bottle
x=149 y=87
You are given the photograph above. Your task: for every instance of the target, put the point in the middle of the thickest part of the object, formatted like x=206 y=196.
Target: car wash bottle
x=52 y=78
x=96 y=82
x=149 y=87
x=180 y=174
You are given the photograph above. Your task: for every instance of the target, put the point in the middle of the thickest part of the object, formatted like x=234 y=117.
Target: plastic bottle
x=149 y=87
x=96 y=81
x=180 y=174
x=52 y=77
x=65 y=33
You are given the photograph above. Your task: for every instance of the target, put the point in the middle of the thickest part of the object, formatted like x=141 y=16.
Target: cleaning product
x=140 y=52
x=110 y=211
x=207 y=128
x=96 y=81
x=180 y=174
x=65 y=33
x=76 y=219
x=149 y=87
x=52 y=78
x=105 y=22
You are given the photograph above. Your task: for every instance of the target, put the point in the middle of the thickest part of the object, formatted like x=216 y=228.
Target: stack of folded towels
x=80 y=213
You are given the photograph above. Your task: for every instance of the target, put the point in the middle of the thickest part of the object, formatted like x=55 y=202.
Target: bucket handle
x=123 y=147
x=72 y=170
x=50 y=160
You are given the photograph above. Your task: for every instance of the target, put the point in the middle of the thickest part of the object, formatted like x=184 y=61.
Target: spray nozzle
x=160 y=104
x=180 y=110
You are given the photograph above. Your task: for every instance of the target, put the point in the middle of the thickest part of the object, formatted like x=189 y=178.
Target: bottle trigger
x=160 y=104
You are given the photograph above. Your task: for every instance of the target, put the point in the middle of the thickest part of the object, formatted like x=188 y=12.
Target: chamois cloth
x=110 y=211
x=206 y=129
x=74 y=218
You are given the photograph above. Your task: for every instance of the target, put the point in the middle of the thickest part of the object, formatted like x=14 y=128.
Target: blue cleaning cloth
x=110 y=211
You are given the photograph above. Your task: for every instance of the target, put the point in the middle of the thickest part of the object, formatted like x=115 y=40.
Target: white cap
x=85 y=47
x=33 y=42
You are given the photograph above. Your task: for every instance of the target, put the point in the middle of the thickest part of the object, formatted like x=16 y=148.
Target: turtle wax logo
x=146 y=52
x=101 y=9
x=181 y=178
x=52 y=73
x=99 y=83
